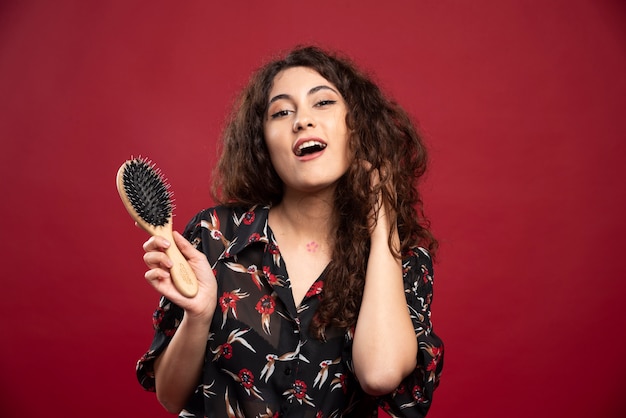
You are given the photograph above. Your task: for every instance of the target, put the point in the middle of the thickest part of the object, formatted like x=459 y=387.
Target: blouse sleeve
x=414 y=395
x=165 y=319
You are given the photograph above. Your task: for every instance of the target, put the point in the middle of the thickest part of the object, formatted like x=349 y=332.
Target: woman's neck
x=304 y=216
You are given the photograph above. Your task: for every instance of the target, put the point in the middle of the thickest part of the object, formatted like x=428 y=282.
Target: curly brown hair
x=382 y=133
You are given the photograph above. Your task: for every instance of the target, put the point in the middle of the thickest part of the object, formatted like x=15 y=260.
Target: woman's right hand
x=179 y=367
x=201 y=306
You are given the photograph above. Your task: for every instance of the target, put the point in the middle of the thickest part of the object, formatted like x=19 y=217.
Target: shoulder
x=221 y=212
x=231 y=227
x=417 y=268
x=227 y=217
x=418 y=257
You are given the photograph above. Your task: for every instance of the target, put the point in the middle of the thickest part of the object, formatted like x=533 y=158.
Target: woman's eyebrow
x=279 y=97
x=322 y=87
x=312 y=91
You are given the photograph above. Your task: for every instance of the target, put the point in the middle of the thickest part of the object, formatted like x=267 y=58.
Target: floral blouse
x=260 y=359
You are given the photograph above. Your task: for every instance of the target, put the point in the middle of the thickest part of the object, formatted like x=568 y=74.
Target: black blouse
x=260 y=359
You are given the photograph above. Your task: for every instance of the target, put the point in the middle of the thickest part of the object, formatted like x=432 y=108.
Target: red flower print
x=344 y=383
x=227 y=351
x=436 y=352
x=417 y=393
x=246 y=377
x=228 y=300
x=299 y=389
x=254 y=237
x=157 y=322
x=316 y=289
x=265 y=305
x=213 y=225
x=252 y=270
x=272 y=248
x=157 y=317
x=248 y=218
x=272 y=278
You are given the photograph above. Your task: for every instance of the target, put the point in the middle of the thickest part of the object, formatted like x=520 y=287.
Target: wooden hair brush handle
x=181 y=273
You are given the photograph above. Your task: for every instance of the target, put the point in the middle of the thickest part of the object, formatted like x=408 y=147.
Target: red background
x=521 y=102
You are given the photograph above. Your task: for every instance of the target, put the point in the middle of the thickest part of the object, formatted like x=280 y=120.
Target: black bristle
x=147 y=191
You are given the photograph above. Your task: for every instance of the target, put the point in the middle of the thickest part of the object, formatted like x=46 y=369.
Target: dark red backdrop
x=522 y=103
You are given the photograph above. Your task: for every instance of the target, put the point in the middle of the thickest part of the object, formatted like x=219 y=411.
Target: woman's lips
x=308 y=146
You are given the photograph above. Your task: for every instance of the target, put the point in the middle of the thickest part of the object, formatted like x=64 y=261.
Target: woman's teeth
x=309 y=147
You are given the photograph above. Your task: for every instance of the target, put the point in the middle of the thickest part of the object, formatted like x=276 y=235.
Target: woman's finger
x=156 y=243
x=156 y=274
x=185 y=247
x=157 y=259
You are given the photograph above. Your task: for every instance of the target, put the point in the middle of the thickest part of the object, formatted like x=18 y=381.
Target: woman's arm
x=385 y=346
x=178 y=369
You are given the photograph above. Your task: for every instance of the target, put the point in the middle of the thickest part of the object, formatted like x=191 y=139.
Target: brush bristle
x=147 y=191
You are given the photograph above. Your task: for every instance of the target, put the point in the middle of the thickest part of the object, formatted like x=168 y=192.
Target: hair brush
x=147 y=197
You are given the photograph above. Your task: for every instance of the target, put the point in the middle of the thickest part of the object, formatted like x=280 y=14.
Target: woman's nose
x=303 y=120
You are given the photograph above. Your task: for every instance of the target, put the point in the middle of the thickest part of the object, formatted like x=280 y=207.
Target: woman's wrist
x=200 y=320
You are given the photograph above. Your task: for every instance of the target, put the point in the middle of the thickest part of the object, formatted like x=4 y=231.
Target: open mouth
x=309 y=147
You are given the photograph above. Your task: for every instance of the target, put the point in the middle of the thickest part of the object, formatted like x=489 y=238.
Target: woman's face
x=305 y=130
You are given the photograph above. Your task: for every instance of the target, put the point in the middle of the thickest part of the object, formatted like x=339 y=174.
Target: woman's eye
x=325 y=103
x=279 y=114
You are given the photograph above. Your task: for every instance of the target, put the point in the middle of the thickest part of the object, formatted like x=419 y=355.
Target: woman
x=308 y=266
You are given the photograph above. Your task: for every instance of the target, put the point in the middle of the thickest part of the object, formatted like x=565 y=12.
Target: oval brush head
x=147 y=191
x=147 y=197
